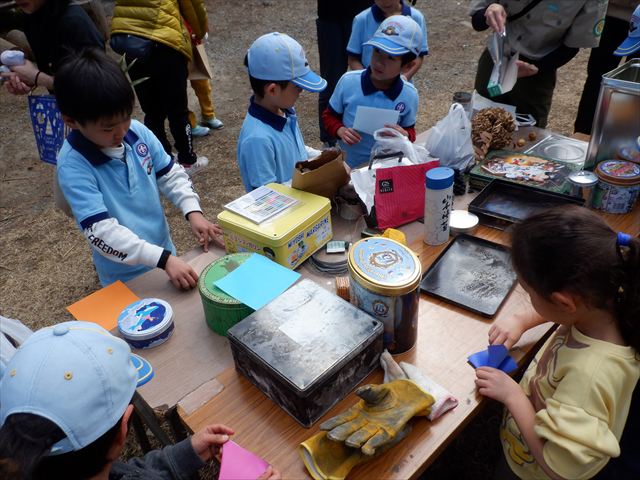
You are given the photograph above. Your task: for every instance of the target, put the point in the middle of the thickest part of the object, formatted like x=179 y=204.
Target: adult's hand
x=526 y=69
x=496 y=17
x=15 y=86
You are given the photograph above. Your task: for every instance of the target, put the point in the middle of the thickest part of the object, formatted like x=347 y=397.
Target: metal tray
x=472 y=273
x=502 y=203
x=561 y=148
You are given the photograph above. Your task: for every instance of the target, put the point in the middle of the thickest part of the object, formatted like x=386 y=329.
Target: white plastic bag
x=390 y=141
x=450 y=139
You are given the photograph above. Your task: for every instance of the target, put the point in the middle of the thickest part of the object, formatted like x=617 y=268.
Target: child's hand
x=180 y=273
x=205 y=231
x=270 y=474
x=508 y=330
x=496 y=384
x=15 y=86
x=397 y=128
x=348 y=135
x=207 y=442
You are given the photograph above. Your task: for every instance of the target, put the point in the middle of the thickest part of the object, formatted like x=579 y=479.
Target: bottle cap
x=439 y=178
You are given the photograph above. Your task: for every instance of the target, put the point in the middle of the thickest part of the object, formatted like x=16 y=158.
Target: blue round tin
x=146 y=323
x=385 y=279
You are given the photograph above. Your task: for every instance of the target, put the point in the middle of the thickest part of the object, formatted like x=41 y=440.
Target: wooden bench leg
x=147 y=417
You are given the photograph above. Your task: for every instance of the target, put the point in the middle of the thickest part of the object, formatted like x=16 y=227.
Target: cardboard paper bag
x=322 y=175
x=199 y=67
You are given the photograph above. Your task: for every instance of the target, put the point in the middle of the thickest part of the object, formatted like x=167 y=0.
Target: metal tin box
x=385 y=276
x=617 y=120
x=146 y=323
x=288 y=238
x=221 y=311
x=306 y=350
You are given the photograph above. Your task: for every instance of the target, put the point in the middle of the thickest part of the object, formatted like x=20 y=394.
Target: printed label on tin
x=384 y=261
x=142 y=315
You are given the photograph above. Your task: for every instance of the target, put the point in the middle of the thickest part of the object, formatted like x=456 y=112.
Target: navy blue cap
x=439 y=178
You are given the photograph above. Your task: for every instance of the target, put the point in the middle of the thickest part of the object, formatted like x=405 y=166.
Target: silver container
x=617 y=119
x=582 y=185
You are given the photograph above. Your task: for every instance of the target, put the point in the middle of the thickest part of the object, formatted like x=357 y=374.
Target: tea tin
x=146 y=323
x=618 y=186
x=384 y=280
x=221 y=311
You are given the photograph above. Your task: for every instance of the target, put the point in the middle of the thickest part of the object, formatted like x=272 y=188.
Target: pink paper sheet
x=240 y=464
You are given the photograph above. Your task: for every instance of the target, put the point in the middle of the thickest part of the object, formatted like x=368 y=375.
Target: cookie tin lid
x=384 y=266
x=461 y=221
x=215 y=271
x=619 y=172
x=145 y=319
x=583 y=178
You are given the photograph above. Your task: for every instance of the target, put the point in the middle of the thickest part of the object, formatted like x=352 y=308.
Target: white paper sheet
x=370 y=119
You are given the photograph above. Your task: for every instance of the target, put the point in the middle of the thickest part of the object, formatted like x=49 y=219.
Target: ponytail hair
x=572 y=249
x=26 y=439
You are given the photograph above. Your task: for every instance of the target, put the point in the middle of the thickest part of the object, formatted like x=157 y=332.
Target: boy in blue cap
x=367 y=22
x=270 y=141
x=395 y=44
x=112 y=171
x=65 y=405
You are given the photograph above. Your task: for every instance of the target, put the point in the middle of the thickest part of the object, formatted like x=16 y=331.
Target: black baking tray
x=502 y=203
x=472 y=273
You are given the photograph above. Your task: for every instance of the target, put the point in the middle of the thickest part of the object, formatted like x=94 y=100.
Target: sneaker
x=199 y=131
x=194 y=168
x=212 y=123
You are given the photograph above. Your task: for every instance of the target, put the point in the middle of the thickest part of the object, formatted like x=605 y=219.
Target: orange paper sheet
x=104 y=306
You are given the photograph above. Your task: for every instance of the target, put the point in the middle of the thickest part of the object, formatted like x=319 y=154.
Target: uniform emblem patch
x=142 y=149
x=598 y=28
x=400 y=107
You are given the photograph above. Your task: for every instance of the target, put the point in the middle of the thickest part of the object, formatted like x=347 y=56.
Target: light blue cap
x=278 y=57
x=75 y=374
x=397 y=35
x=439 y=178
x=632 y=43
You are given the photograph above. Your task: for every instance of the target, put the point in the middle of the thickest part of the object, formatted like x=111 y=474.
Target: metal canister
x=618 y=186
x=221 y=311
x=582 y=185
x=385 y=279
x=146 y=323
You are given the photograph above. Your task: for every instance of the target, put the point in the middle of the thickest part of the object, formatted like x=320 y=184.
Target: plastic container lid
x=145 y=319
x=619 y=172
x=215 y=271
x=583 y=178
x=439 y=178
x=384 y=266
x=461 y=221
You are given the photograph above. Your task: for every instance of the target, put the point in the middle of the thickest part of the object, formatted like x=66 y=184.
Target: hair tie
x=624 y=239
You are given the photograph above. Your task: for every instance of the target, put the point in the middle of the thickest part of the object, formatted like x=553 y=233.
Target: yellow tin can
x=289 y=238
x=385 y=280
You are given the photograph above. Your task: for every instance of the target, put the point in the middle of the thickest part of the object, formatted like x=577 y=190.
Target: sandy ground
x=45 y=263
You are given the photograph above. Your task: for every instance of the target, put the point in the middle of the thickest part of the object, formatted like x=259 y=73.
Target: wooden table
x=194 y=370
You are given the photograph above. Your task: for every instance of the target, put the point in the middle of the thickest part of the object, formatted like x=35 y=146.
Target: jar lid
x=215 y=271
x=619 y=172
x=385 y=266
x=439 y=178
x=461 y=221
x=583 y=178
x=145 y=318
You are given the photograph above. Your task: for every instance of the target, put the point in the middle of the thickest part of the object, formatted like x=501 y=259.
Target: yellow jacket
x=161 y=21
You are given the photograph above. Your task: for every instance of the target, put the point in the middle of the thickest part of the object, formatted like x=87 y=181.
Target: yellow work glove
x=329 y=460
x=376 y=419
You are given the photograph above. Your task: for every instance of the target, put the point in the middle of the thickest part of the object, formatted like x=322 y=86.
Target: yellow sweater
x=161 y=21
x=581 y=390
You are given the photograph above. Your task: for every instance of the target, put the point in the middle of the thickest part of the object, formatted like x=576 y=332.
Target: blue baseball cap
x=75 y=374
x=278 y=57
x=632 y=42
x=397 y=35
